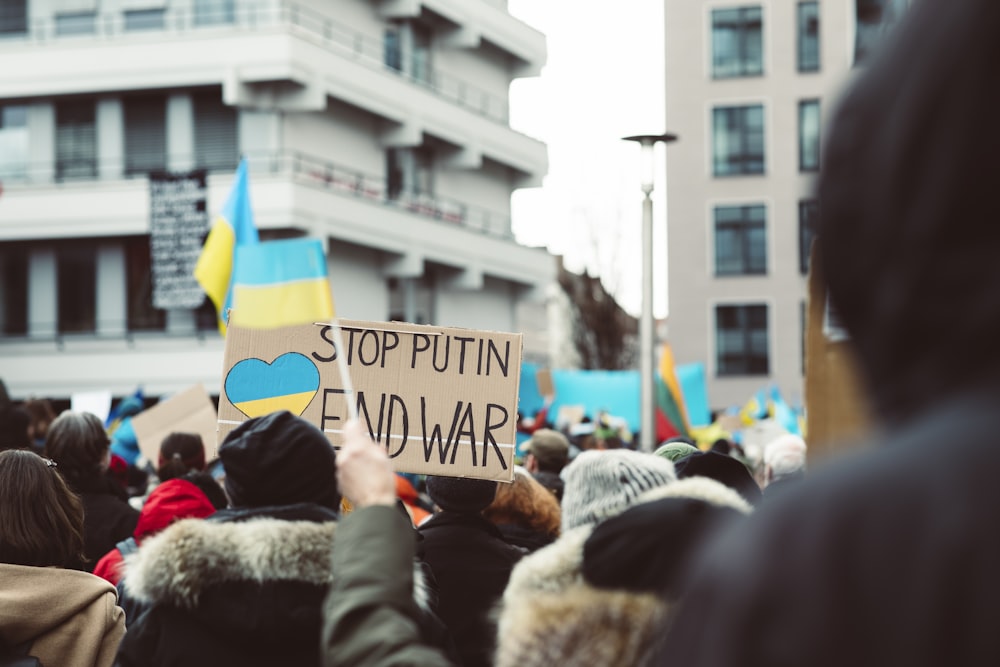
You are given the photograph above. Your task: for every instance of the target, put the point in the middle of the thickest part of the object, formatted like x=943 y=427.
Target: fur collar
x=178 y=564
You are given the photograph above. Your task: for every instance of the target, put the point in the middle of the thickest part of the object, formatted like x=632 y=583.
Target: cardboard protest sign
x=570 y=415
x=190 y=411
x=443 y=401
x=545 y=385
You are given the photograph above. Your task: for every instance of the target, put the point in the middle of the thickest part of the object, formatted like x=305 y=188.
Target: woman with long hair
x=59 y=616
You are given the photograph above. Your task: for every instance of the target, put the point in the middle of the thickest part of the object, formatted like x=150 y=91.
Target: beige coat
x=72 y=618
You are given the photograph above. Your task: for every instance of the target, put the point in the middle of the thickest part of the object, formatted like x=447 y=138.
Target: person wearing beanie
x=547 y=453
x=470 y=561
x=675 y=450
x=246 y=586
x=722 y=468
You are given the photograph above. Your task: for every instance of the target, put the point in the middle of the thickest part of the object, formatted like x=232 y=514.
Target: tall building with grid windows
x=379 y=126
x=749 y=85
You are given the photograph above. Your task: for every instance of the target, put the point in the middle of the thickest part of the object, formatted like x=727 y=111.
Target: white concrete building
x=380 y=126
x=749 y=84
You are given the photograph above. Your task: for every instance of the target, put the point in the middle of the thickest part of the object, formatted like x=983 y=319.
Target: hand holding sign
x=364 y=473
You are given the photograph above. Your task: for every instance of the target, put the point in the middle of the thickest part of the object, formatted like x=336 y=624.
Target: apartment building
x=749 y=85
x=380 y=126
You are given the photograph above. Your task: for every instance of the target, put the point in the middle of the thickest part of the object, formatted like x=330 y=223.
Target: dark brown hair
x=41 y=520
x=78 y=442
x=180 y=453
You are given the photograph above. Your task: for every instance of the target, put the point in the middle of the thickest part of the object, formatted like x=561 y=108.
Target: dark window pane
x=76 y=266
x=13 y=142
x=214 y=12
x=808 y=36
x=741 y=339
x=83 y=23
x=76 y=140
x=145 y=19
x=740 y=240
x=215 y=133
x=145 y=134
x=738 y=140
x=737 y=42
x=13 y=289
x=808 y=219
x=875 y=19
x=13 y=17
x=142 y=316
x=393 y=55
x=809 y=135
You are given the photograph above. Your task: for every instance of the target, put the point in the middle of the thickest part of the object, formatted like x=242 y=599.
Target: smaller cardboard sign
x=570 y=415
x=730 y=423
x=190 y=411
x=95 y=402
x=546 y=387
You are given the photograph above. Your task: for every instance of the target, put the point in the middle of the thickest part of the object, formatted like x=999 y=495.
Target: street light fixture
x=647 y=427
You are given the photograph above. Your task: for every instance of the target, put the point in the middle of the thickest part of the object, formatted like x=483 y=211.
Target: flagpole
x=345 y=376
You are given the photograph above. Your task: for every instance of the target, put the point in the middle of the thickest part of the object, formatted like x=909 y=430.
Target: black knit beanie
x=279 y=459
x=461 y=494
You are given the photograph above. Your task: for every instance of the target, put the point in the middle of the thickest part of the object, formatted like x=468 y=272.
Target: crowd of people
x=594 y=555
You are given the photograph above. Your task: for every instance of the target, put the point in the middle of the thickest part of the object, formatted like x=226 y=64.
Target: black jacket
x=107 y=516
x=245 y=588
x=471 y=564
x=891 y=559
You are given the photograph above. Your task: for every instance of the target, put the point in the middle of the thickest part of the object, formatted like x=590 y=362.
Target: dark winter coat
x=891 y=559
x=107 y=517
x=471 y=565
x=245 y=587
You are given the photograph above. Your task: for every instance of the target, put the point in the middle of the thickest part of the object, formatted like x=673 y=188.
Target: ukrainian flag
x=281 y=283
x=234 y=228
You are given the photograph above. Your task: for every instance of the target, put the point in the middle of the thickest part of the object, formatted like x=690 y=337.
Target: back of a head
x=461 y=495
x=785 y=456
x=724 y=469
x=180 y=453
x=41 y=520
x=526 y=503
x=550 y=449
x=41 y=413
x=14 y=425
x=907 y=197
x=279 y=459
x=78 y=442
x=600 y=484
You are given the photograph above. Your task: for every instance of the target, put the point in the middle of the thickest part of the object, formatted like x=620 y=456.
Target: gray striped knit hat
x=602 y=484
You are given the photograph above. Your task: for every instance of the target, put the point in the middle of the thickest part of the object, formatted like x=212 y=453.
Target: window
x=740 y=240
x=808 y=36
x=13 y=289
x=13 y=142
x=393 y=173
x=13 y=17
x=145 y=19
x=737 y=44
x=215 y=139
x=77 y=23
x=808 y=220
x=420 y=59
x=874 y=19
x=423 y=181
x=76 y=140
x=214 y=12
x=145 y=134
x=738 y=140
x=392 y=53
x=809 y=135
x=741 y=340
x=141 y=314
x=76 y=267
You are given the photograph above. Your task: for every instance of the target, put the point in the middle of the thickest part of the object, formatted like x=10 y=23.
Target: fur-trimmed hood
x=176 y=566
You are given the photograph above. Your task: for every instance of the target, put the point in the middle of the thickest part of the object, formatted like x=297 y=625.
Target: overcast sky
x=603 y=81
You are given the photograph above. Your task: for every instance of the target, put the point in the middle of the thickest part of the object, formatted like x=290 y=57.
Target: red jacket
x=172 y=500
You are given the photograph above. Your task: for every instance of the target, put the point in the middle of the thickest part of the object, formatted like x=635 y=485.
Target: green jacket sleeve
x=370 y=617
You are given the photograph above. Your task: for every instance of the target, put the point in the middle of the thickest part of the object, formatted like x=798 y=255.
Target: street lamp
x=647 y=426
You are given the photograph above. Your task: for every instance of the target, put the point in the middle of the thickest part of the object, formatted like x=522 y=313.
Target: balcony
x=279 y=55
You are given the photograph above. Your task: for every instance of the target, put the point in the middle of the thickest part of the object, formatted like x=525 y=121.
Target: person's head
x=600 y=484
x=673 y=450
x=784 y=457
x=461 y=495
x=547 y=450
x=41 y=520
x=526 y=503
x=180 y=453
x=15 y=428
x=78 y=442
x=41 y=413
x=906 y=241
x=279 y=459
x=722 y=468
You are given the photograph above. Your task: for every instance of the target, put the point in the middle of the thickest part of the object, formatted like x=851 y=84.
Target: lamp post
x=647 y=427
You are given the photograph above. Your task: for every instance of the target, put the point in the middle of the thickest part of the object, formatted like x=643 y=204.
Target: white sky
x=604 y=80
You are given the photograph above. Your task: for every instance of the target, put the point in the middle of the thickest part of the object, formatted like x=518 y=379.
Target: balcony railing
x=309 y=170
x=247 y=16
